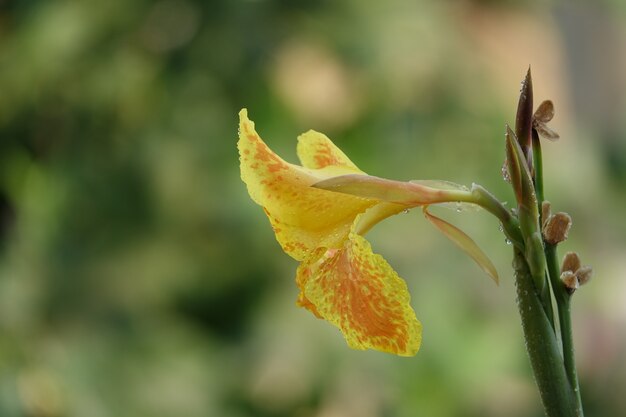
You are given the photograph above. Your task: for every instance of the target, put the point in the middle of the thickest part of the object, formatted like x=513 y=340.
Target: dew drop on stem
x=505 y=171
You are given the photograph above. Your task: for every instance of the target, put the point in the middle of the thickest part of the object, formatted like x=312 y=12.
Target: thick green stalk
x=557 y=395
x=563 y=299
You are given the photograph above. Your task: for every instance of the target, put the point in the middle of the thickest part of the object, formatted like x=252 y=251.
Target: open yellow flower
x=340 y=279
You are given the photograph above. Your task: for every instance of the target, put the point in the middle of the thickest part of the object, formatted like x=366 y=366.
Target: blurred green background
x=137 y=278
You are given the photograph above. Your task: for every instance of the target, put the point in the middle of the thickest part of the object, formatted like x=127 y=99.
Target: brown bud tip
x=556 y=228
x=571 y=262
x=570 y=281
x=523 y=120
x=584 y=274
x=546 y=212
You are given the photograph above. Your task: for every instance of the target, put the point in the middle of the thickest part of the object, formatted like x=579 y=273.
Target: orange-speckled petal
x=362 y=295
x=304 y=218
x=316 y=151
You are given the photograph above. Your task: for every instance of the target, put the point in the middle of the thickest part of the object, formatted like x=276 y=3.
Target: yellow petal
x=464 y=242
x=375 y=215
x=304 y=218
x=316 y=151
x=362 y=295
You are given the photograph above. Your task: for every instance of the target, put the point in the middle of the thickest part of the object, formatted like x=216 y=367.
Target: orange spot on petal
x=359 y=292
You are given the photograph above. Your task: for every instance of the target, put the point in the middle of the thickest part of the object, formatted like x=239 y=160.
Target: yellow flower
x=340 y=279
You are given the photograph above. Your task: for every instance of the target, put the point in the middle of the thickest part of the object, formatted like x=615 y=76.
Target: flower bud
x=584 y=274
x=571 y=262
x=545 y=112
x=556 y=228
x=524 y=118
x=571 y=282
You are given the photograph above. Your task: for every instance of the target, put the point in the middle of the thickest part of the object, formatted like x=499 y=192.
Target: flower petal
x=375 y=215
x=316 y=151
x=357 y=291
x=545 y=132
x=545 y=111
x=411 y=193
x=304 y=218
x=464 y=242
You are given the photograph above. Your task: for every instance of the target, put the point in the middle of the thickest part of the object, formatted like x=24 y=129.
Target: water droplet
x=505 y=171
x=501 y=227
x=507 y=240
x=405 y=211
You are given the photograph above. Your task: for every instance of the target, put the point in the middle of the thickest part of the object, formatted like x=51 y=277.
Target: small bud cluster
x=573 y=274
x=556 y=226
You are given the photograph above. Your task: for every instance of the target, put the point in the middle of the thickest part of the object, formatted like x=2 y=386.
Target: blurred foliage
x=138 y=279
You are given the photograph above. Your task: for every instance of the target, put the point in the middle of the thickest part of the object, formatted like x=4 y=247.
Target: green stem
x=510 y=224
x=538 y=168
x=546 y=298
x=563 y=299
x=557 y=395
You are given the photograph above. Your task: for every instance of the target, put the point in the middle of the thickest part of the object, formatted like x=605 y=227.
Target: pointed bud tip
x=524 y=117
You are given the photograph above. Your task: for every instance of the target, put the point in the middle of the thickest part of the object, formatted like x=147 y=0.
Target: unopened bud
x=546 y=212
x=571 y=282
x=584 y=274
x=571 y=262
x=556 y=228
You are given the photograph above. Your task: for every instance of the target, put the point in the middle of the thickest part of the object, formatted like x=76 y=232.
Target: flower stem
x=510 y=225
x=538 y=169
x=546 y=298
x=557 y=395
x=563 y=299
